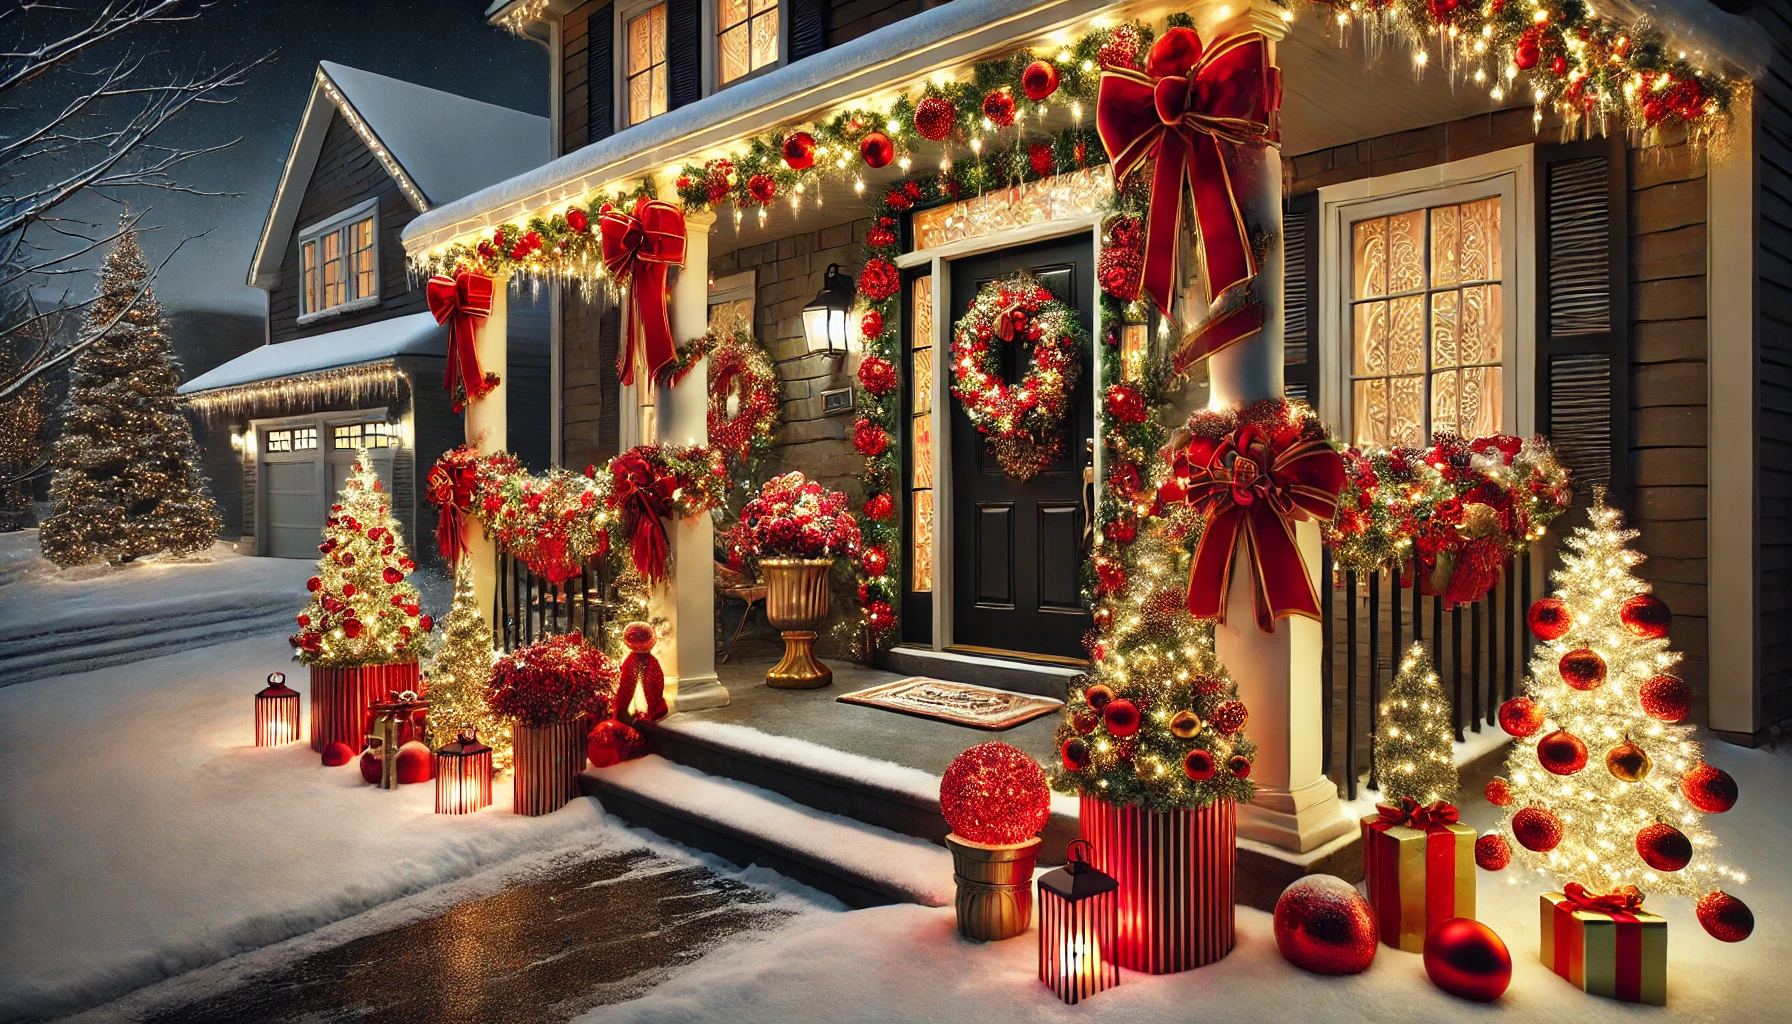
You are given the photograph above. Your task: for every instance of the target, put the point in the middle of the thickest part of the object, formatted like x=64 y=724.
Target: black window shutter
x=1583 y=355
x=684 y=52
x=808 y=28
x=600 y=73
x=1300 y=287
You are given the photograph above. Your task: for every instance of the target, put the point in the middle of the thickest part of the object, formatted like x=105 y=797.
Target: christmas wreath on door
x=1023 y=421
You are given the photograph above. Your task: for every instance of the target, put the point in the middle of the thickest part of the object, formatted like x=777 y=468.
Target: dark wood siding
x=347 y=173
x=855 y=18
x=590 y=394
x=576 y=56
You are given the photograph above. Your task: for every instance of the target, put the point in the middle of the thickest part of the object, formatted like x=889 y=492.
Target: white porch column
x=1296 y=806
x=487 y=424
x=688 y=598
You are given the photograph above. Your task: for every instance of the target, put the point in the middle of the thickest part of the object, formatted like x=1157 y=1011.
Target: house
x=1626 y=299
x=352 y=354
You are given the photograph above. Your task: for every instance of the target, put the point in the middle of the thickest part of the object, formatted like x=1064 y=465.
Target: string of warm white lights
x=351 y=384
x=373 y=143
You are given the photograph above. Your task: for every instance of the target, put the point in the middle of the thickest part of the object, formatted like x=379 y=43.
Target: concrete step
x=1037 y=677
x=96 y=648
x=860 y=864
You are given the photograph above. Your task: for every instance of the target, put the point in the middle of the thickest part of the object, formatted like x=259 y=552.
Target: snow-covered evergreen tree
x=1412 y=741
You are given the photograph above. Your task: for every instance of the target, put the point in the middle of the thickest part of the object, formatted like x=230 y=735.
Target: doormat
x=959 y=703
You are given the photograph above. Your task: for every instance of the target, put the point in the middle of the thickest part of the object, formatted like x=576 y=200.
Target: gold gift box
x=1582 y=946
x=1402 y=909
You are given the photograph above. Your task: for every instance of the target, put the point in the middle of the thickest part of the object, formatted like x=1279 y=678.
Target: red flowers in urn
x=879 y=280
x=552 y=680
x=795 y=517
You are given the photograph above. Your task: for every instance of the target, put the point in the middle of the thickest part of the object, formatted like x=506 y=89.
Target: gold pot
x=995 y=887
x=796 y=604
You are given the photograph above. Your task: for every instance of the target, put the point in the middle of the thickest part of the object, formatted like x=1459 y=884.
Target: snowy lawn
x=146 y=836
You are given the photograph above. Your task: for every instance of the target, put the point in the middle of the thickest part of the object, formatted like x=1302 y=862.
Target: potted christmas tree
x=550 y=692
x=362 y=631
x=459 y=671
x=1605 y=788
x=795 y=527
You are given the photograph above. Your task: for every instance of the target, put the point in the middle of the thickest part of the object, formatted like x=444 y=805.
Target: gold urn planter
x=995 y=887
x=796 y=604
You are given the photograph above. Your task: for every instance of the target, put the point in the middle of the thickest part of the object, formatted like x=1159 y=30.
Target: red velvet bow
x=1188 y=112
x=640 y=249
x=1425 y=817
x=462 y=302
x=452 y=490
x=1010 y=321
x=1625 y=899
x=645 y=498
x=1259 y=481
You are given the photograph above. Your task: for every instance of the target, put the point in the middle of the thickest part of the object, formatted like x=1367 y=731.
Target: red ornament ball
x=1122 y=49
x=1229 y=717
x=1562 y=752
x=415 y=763
x=1709 y=789
x=1239 y=765
x=1521 y=716
x=1549 y=618
x=393 y=575
x=1536 y=829
x=612 y=742
x=1039 y=80
x=371 y=768
x=1084 y=722
x=1121 y=716
x=1527 y=53
x=1465 y=958
x=1646 y=616
x=1582 y=669
x=874 y=560
x=1724 y=917
x=933 y=118
x=1199 y=765
x=1041 y=158
x=1075 y=754
x=762 y=188
x=1663 y=847
x=995 y=795
x=870 y=325
x=998 y=106
x=879 y=507
x=876 y=373
x=1097 y=696
x=877 y=150
x=1666 y=698
x=338 y=754
x=1498 y=792
x=314 y=583
x=1324 y=925
x=1208 y=684
x=799 y=151
x=1492 y=853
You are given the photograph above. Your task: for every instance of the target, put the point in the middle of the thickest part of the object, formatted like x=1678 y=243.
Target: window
x=921 y=405
x=747 y=31
x=646 y=64
x=1426 y=323
x=338 y=262
x=350 y=436
x=279 y=441
x=292 y=439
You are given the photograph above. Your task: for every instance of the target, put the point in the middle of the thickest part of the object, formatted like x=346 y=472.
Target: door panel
x=295 y=508
x=1017 y=544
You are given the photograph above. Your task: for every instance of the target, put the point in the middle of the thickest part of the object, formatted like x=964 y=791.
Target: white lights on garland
x=376 y=381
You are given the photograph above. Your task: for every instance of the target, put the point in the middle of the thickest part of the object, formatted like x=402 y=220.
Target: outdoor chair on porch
x=736 y=585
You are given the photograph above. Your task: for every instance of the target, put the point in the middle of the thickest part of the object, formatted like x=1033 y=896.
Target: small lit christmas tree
x=460 y=670
x=1413 y=756
x=125 y=481
x=1607 y=786
x=363 y=610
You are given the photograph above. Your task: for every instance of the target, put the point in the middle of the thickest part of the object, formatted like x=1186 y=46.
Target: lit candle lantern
x=276 y=713
x=463 y=775
x=1079 y=925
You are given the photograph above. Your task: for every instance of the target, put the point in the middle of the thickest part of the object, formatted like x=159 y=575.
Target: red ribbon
x=645 y=497
x=1257 y=481
x=1621 y=905
x=640 y=249
x=462 y=302
x=1188 y=112
x=453 y=491
x=1409 y=812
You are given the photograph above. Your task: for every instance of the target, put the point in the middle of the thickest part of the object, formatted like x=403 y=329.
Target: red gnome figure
x=641 y=667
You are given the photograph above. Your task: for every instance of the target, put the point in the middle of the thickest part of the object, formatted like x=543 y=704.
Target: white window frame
x=1508 y=174
x=339 y=225
x=624 y=14
x=710 y=32
x=712 y=35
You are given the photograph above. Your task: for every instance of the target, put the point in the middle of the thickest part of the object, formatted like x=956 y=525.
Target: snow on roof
x=415 y=335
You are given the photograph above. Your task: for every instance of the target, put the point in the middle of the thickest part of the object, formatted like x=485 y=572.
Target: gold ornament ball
x=1628 y=762
x=1185 y=725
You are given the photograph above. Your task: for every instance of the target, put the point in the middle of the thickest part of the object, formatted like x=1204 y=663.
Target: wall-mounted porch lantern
x=824 y=318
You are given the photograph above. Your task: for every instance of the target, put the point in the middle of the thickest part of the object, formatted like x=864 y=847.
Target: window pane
x=1369 y=411
x=922 y=561
x=346 y=438
x=640 y=98
x=734 y=53
x=1443 y=330
x=1443 y=401
x=308 y=279
x=304 y=439
x=1371 y=260
x=640 y=43
x=761 y=6
x=657 y=105
x=1371 y=333
x=362 y=233
x=1482 y=401
x=1443 y=246
x=1406 y=252
x=733 y=12
x=923 y=468
x=765 y=39
x=1406 y=335
x=1406 y=411
x=1480 y=231
x=279 y=441
x=923 y=378
x=334 y=278
x=1481 y=323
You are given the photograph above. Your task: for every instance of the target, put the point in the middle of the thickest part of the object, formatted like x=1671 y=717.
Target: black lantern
x=276 y=713
x=1079 y=927
x=824 y=318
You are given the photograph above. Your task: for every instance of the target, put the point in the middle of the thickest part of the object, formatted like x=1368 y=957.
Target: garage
x=303 y=463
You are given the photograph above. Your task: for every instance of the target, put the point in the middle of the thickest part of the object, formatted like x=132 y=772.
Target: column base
x=1300 y=820
x=699 y=692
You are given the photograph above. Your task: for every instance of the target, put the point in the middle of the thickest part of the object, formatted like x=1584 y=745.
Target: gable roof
x=436 y=145
x=415 y=334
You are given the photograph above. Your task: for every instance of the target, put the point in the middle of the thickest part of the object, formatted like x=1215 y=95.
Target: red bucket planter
x=1175 y=873
x=342 y=700
x=546 y=763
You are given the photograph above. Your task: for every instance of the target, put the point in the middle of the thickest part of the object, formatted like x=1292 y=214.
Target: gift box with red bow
x=1420 y=865
x=1606 y=945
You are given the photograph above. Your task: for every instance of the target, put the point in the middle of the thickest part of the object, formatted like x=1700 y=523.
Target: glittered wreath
x=1024 y=421
x=743 y=396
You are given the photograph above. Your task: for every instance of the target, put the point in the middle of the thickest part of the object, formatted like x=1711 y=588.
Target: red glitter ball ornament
x=879 y=507
x=1646 y=616
x=1229 y=717
x=995 y=795
x=1208 y=684
x=1709 y=789
x=998 y=106
x=1492 y=853
x=1466 y=959
x=1498 y=792
x=1521 y=716
x=869 y=438
x=1097 y=696
x=613 y=742
x=1663 y=847
x=1239 y=765
x=1039 y=80
x=338 y=754
x=877 y=150
x=1562 y=752
x=1528 y=51
x=1324 y=925
x=1724 y=917
x=874 y=560
x=1582 y=669
x=799 y=151
x=876 y=373
x=1121 y=716
x=1199 y=765
x=870 y=325
x=1084 y=722
x=1041 y=158
x=762 y=187
x=1666 y=698
x=1549 y=618
x=415 y=763
x=1075 y=754
x=1120 y=270
x=1121 y=50
x=393 y=575
x=1536 y=829
x=933 y=118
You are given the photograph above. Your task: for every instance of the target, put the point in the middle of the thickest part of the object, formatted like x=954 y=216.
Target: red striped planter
x=546 y=764
x=342 y=700
x=1175 y=873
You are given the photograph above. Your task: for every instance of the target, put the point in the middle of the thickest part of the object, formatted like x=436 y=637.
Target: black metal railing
x=528 y=607
x=1479 y=652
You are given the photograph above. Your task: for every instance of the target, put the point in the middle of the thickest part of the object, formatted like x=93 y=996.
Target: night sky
x=443 y=44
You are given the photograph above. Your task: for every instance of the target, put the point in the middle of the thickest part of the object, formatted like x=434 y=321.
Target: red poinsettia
x=552 y=680
x=879 y=280
x=877 y=375
x=795 y=517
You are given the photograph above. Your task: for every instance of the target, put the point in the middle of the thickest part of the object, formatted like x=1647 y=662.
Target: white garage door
x=303 y=466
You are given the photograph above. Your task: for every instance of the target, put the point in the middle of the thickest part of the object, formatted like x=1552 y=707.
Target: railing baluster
x=1510 y=643
x=1374 y=666
x=1474 y=661
x=1456 y=668
x=1350 y=691
x=1418 y=607
x=1327 y=656
x=1524 y=604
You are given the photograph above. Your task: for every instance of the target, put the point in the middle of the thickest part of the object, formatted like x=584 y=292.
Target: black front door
x=1017 y=544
